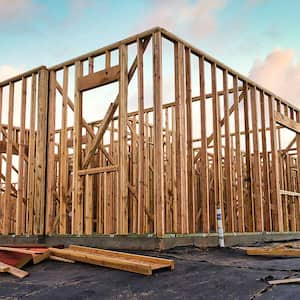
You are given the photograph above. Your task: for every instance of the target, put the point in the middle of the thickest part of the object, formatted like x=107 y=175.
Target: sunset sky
x=258 y=38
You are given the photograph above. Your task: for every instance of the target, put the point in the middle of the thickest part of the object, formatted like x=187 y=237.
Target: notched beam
x=98 y=79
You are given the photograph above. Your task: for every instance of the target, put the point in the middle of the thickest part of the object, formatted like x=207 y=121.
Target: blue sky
x=255 y=37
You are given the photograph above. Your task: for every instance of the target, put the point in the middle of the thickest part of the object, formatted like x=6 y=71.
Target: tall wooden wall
x=221 y=142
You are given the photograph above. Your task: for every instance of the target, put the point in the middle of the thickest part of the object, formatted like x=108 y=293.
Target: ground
x=199 y=274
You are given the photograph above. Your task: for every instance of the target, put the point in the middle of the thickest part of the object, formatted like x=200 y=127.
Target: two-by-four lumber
x=111 y=259
x=41 y=152
x=123 y=151
x=218 y=186
x=144 y=258
x=158 y=138
x=287 y=122
x=141 y=149
x=181 y=149
x=8 y=177
x=77 y=195
x=257 y=189
x=20 y=207
x=228 y=159
x=266 y=181
x=12 y=270
x=31 y=158
x=50 y=152
x=63 y=172
x=189 y=141
x=238 y=157
x=279 y=251
x=275 y=186
x=204 y=184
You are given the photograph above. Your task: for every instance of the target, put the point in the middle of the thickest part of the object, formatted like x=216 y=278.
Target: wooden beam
x=98 y=170
x=287 y=122
x=123 y=151
x=41 y=152
x=141 y=149
x=99 y=79
x=275 y=186
x=158 y=139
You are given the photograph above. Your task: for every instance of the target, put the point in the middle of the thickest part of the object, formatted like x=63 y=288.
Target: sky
x=258 y=38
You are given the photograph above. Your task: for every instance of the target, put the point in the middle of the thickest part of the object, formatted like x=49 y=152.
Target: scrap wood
x=37 y=255
x=275 y=251
x=12 y=270
x=112 y=259
x=15 y=259
x=284 y=281
x=61 y=259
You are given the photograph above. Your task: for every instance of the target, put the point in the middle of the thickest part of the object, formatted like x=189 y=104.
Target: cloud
x=198 y=18
x=7 y=71
x=12 y=10
x=279 y=72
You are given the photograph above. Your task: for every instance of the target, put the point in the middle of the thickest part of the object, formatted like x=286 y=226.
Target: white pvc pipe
x=220 y=228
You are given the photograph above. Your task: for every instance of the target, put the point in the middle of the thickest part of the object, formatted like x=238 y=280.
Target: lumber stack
x=12 y=259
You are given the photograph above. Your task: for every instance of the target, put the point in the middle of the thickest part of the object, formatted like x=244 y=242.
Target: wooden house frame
x=220 y=143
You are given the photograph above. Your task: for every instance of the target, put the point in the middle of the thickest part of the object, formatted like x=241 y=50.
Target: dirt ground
x=199 y=274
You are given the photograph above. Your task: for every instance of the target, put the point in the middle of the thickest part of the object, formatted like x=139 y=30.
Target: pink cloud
x=280 y=73
x=7 y=71
x=11 y=10
x=198 y=18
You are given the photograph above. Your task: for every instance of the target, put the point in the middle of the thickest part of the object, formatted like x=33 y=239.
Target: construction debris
x=111 y=259
x=12 y=270
x=284 y=281
x=282 y=249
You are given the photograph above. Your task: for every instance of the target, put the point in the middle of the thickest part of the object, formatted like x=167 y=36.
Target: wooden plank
x=288 y=252
x=249 y=223
x=266 y=191
x=142 y=258
x=41 y=152
x=98 y=79
x=181 y=151
x=77 y=204
x=227 y=159
x=257 y=190
x=50 y=154
x=189 y=141
x=61 y=259
x=284 y=281
x=287 y=122
x=63 y=172
x=98 y=170
x=217 y=157
x=104 y=260
x=141 y=149
x=37 y=258
x=238 y=156
x=203 y=152
x=8 y=173
x=123 y=151
x=12 y=270
x=158 y=138
x=275 y=186
x=20 y=207
x=31 y=159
